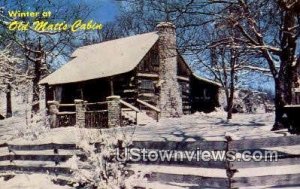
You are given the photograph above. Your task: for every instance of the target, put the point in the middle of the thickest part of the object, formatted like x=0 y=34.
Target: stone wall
x=170 y=97
x=80 y=113
x=114 y=111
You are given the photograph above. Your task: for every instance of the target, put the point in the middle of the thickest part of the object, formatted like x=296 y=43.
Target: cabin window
x=147 y=84
x=155 y=59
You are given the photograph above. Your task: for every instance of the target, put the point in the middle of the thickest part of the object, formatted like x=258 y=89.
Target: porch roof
x=103 y=59
x=207 y=80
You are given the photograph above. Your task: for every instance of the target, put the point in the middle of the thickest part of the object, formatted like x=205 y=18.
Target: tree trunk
x=8 y=102
x=279 y=104
x=287 y=76
x=229 y=106
x=37 y=75
x=232 y=83
x=36 y=88
x=230 y=100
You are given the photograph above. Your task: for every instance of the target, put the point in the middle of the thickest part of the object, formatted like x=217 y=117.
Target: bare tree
x=11 y=76
x=271 y=29
x=43 y=49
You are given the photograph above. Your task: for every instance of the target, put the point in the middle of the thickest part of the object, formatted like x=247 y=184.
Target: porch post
x=114 y=111
x=80 y=113
x=53 y=111
x=111 y=83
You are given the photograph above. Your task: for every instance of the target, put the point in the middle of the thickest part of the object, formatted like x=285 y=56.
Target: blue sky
x=103 y=10
x=107 y=10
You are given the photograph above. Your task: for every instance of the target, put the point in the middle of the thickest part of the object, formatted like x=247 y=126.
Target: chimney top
x=165 y=25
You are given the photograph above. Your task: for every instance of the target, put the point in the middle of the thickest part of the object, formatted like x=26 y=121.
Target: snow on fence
x=224 y=174
x=37 y=158
x=50 y=158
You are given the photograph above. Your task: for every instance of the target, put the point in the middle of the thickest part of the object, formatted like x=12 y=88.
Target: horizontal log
x=96 y=103
x=264 y=142
x=148 y=75
x=190 y=179
x=43 y=152
x=30 y=169
x=130 y=91
x=34 y=157
x=180 y=145
x=293 y=106
x=184 y=162
x=126 y=110
x=66 y=113
x=270 y=180
x=290 y=160
x=48 y=146
x=66 y=105
x=96 y=111
x=151 y=95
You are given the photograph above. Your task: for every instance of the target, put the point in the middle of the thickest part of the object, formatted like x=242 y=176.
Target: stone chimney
x=170 y=97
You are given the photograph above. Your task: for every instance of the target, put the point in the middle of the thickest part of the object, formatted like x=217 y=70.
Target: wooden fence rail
x=217 y=174
x=237 y=173
x=242 y=178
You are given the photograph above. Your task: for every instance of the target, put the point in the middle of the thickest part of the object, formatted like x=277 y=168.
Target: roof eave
x=207 y=80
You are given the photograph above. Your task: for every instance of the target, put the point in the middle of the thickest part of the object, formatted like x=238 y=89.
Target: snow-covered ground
x=30 y=181
x=198 y=126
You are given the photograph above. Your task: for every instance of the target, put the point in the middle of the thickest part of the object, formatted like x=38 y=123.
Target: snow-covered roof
x=107 y=59
x=207 y=80
x=103 y=59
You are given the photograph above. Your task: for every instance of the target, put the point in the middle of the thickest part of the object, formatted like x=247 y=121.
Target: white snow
x=33 y=181
x=211 y=126
x=198 y=126
x=196 y=171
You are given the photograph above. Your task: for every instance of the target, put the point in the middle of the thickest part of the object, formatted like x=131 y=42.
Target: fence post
x=80 y=113
x=53 y=111
x=114 y=111
x=229 y=170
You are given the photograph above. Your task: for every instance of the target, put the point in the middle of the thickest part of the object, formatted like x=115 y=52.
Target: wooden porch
x=110 y=113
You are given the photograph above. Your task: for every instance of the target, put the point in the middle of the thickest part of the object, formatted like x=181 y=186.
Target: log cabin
x=143 y=68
